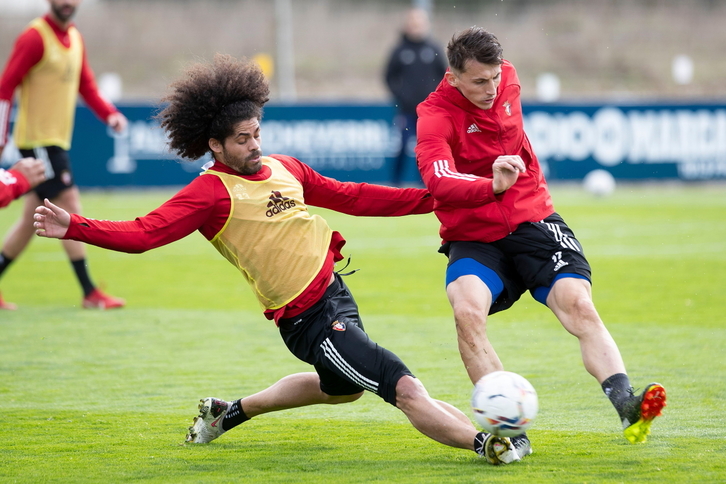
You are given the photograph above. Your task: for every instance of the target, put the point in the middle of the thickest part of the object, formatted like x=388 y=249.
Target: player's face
x=242 y=150
x=478 y=83
x=63 y=10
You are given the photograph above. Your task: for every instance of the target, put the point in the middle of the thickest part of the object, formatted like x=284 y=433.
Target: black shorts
x=528 y=258
x=330 y=336
x=58 y=172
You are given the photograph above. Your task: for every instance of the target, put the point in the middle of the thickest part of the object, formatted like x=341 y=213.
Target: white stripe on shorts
x=42 y=154
x=563 y=239
x=332 y=354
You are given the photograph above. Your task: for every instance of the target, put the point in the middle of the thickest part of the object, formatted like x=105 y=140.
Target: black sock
x=479 y=440
x=235 y=416
x=79 y=266
x=617 y=388
x=4 y=262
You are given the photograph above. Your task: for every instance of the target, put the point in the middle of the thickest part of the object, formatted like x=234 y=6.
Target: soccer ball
x=599 y=183
x=504 y=403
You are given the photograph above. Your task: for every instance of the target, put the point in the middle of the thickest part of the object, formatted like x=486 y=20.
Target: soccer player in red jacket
x=253 y=209
x=499 y=227
x=48 y=64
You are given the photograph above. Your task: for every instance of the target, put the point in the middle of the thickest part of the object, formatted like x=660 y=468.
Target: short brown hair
x=209 y=100
x=473 y=43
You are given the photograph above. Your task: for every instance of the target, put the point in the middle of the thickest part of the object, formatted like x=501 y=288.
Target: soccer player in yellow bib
x=48 y=63
x=253 y=209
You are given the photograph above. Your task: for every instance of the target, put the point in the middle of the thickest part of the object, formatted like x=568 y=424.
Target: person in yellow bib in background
x=48 y=63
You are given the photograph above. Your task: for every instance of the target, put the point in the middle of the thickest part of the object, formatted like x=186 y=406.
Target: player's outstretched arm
x=51 y=220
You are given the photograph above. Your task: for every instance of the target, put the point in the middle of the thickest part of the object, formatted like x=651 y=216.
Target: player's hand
x=51 y=220
x=117 y=122
x=33 y=170
x=506 y=170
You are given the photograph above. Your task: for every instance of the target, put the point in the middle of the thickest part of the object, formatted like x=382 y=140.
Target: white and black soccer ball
x=504 y=403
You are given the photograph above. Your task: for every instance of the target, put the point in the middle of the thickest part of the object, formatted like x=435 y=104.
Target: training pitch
x=90 y=396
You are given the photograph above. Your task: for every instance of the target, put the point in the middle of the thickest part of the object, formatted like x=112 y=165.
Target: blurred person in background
x=499 y=227
x=48 y=62
x=414 y=69
x=254 y=210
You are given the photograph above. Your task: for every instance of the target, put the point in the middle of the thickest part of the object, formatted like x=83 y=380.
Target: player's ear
x=215 y=145
x=451 y=79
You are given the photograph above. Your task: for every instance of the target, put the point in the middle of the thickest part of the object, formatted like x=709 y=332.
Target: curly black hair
x=209 y=100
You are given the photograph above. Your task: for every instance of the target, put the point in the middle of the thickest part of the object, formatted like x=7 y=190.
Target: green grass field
x=107 y=396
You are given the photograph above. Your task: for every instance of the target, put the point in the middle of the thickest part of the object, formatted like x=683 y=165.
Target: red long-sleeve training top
x=457 y=144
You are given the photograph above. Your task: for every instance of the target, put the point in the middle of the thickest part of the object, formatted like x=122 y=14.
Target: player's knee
x=468 y=314
x=582 y=307
x=471 y=326
x=408 y=390
x=583 y=317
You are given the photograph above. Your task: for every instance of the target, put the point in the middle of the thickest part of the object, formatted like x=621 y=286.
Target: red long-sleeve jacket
x=27 y=52
x=457 y=144
x=205 y=205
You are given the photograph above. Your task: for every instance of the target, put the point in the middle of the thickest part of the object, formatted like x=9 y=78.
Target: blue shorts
x=468 y=266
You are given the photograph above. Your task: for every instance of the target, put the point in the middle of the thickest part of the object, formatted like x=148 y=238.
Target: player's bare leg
x=471 y=299
x=453 y=411
x=571 y=301
x=292 y=391
x=443 y=424
x=216 y=416
x=446 y=424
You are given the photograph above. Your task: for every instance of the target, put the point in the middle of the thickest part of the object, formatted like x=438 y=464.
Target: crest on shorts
x=338 y=326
